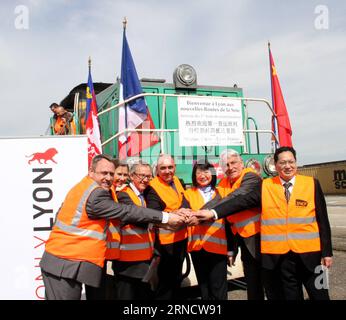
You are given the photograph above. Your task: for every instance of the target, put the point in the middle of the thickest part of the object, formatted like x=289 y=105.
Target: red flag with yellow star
x=283 y=121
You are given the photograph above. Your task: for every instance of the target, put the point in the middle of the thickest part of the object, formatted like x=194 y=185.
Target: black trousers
x=169 y=270
x=211 y=273
x=252 y=272
x=58 y=288
x=291 y=274
x=106 y=291
x=272 y=284
x=128 y=288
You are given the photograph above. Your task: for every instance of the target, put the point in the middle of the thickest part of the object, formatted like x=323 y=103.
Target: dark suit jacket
x=311 y=259
x=154 y=201
x=249 y=196
x=133 y=269
x=100 y=205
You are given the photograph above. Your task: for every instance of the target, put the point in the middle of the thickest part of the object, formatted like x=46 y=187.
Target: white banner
x=36 y=175
x=210 y=122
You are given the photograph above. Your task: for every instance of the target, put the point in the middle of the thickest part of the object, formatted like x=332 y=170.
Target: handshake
x=187 y=217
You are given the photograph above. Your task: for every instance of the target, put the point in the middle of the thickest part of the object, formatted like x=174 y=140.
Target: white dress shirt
x=292 y=181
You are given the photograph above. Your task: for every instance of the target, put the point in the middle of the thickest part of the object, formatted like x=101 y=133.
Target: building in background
x=332 y=175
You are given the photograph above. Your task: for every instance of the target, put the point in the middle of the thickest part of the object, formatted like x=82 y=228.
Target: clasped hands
x=193 y=218
x=187 y=217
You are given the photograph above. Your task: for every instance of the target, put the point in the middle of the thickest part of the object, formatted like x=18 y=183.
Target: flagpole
x=125 y=105
x=274 y=145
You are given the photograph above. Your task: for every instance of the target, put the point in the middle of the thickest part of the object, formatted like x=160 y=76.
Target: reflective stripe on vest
x=289 y=226
x=78 y=215
x=173 y=200
x=113 y=245
x=74 y=236
x=205 y=237
x=136 y=242
x=291 y=236
x=133 y=231
x=273 y=222
x=135 y=246
x=80 y=231
x=209 y=235
x=247 y=222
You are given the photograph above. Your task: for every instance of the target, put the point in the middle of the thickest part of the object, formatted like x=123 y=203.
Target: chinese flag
x=283 y=121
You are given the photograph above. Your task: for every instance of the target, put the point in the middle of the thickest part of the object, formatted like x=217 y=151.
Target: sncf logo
x=48 y=155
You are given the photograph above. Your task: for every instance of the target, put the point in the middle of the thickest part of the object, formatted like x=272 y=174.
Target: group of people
x=144 y=226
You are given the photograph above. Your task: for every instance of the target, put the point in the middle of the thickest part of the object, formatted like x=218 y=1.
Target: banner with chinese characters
x=210 y=121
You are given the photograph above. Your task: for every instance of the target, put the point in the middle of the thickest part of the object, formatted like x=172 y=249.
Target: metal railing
x=162 y=130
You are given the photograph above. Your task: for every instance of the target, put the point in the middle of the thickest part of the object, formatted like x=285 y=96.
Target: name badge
x=301 y=203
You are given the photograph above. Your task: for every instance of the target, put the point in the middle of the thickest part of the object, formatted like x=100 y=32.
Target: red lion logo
x=47 y=155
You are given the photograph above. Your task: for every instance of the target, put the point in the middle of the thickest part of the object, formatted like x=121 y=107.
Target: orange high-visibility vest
x=247 y=222
x=60 y=126
x=137 y=244
x=74 y=236
x=289 y=226
x=209 y=235
x=113 y=235
x=173 y=200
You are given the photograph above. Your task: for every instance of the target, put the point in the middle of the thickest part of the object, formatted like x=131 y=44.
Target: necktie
x=287 y=185
x=141 y=197
x=173 y=186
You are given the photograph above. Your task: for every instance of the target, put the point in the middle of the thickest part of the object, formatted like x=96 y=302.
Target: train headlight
x=253 y=164
x=269 y=166
x=185 y=77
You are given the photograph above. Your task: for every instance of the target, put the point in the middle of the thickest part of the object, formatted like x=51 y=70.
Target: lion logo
x=45 y=156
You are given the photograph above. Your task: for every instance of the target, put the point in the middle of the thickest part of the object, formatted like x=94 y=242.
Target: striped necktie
x=141 y=197
x=287 y=185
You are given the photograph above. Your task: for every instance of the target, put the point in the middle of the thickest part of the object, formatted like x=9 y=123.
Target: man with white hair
x=236 y=189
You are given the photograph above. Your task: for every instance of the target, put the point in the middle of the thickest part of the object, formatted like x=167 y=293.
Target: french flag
x=135 y=114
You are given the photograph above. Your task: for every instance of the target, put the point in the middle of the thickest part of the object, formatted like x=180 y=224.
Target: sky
x=45 y=45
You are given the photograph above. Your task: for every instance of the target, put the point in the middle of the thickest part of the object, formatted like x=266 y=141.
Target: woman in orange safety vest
x=207 y=241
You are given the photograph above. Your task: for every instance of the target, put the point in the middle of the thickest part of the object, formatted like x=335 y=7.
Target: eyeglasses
x=289 y=162
x=143 y=176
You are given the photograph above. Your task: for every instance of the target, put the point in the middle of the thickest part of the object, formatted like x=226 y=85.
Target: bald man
x=165 y=192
